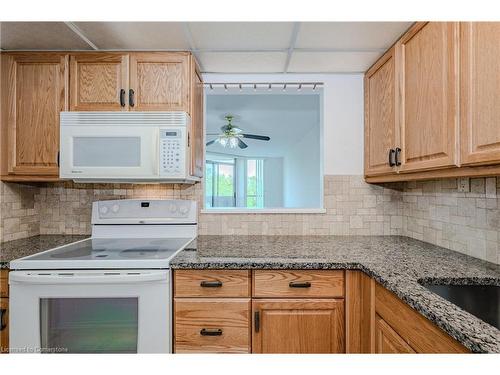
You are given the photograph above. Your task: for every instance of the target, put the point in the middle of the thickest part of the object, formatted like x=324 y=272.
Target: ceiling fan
x=231 y=135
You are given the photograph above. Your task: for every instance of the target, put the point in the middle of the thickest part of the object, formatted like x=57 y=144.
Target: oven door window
x=89 y=325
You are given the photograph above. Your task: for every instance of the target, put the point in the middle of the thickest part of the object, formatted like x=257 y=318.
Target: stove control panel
x=144 y=211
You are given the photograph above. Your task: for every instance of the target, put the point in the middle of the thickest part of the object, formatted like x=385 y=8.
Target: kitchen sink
x=482 y=301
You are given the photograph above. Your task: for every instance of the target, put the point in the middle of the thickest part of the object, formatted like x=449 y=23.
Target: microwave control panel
x=172 y=152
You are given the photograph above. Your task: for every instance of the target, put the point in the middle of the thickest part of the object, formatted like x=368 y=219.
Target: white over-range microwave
x=125 y=147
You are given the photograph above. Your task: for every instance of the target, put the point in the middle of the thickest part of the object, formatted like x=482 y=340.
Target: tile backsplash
x=432 y=211
x=18 y=216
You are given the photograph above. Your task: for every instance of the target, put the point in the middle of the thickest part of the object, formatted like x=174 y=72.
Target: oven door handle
x=75 y=277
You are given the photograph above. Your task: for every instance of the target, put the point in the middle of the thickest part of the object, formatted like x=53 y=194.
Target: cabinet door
x=197 y=126
x=298 y=326
x=97 y=81
x=159 y=81
x=480 y=92
x=37 y=92
x=4 y=325
x=429 y=96
x=381 y=127
x=387 y=341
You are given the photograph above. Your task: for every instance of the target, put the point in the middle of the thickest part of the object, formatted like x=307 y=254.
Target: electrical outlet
x=464 y=185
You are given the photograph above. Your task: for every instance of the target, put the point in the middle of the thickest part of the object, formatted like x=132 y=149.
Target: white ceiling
x=222 y=47
x=284 y=118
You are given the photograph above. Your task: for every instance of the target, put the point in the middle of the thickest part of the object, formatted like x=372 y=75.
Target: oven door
x=87 y=311
x=109 y=151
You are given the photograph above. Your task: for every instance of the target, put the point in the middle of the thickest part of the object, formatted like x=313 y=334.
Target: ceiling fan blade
x=242 y=144
x=259 y=137
x=211 y=142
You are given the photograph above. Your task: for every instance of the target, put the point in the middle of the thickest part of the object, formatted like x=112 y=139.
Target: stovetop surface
x=99 y=253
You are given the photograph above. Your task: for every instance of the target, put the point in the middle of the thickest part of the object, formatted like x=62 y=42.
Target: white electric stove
x=110 y=293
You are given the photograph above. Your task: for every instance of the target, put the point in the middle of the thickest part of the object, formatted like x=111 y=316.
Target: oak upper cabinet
x=387 y=341
x=99 y=81
x=381 y=126
x=298 y=326
x=429 y=96
x=159 y=81
x=480 y=92
x=197 y=126
x=36 y=91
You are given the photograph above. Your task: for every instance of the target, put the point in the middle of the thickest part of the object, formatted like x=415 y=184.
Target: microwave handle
x=87 y=278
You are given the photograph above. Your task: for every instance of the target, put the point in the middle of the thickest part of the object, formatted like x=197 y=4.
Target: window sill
x=229 y=210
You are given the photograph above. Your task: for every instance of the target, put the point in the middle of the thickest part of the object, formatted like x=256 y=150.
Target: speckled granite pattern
x=11 y=250
x=398 y=263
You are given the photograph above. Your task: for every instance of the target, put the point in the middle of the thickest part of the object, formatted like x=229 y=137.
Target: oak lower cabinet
x=212 y=325
x=298 y=326
x=400 y=328
x=4 y=311
x=34 y=91
x=387 y=341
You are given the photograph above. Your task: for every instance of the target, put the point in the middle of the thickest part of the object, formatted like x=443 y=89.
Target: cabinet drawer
x=212 y=283
x=298 y=283
x=212 y=325
x=4 y=283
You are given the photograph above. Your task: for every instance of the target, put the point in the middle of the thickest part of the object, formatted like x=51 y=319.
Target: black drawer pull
x=211 y=284
x=3 y=324
x=211 y=332
x=299 y=284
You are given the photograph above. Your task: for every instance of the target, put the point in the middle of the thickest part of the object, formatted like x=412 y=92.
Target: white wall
x=301 y=171
x=273 y=182
x=342 y=115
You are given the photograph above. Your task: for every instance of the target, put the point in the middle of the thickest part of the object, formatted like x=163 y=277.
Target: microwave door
x=112 y=152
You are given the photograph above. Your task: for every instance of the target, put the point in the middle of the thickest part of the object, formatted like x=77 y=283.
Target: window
x=234 y=183
x=254 y=183
x=220 y=184
x=263 y=149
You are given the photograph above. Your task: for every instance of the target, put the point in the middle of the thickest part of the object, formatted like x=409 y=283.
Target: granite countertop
x=11 y=250
x=398 y=263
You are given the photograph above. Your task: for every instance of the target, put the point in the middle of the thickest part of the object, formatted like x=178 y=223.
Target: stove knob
x=172 y=208
x=115 y=208
x=184 y=210
x=103 y=210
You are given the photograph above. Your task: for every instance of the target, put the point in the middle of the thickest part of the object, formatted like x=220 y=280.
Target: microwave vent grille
x=125 y=118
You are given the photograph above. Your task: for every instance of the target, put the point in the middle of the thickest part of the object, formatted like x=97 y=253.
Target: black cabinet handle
x=131 y=97
x=299 y=284
x=211 y=284
x=122 y=97
x=256 y=319
x=58 y=157
x=211 y=332
x=3 y=324
x=398 y=156
x=392 y=157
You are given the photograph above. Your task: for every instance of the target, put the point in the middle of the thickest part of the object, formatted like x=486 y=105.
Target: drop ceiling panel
x=349 y=35
x=331 y=62
x=242 y=62
x=39 y=36
x=135 y=35
x=241 y=35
